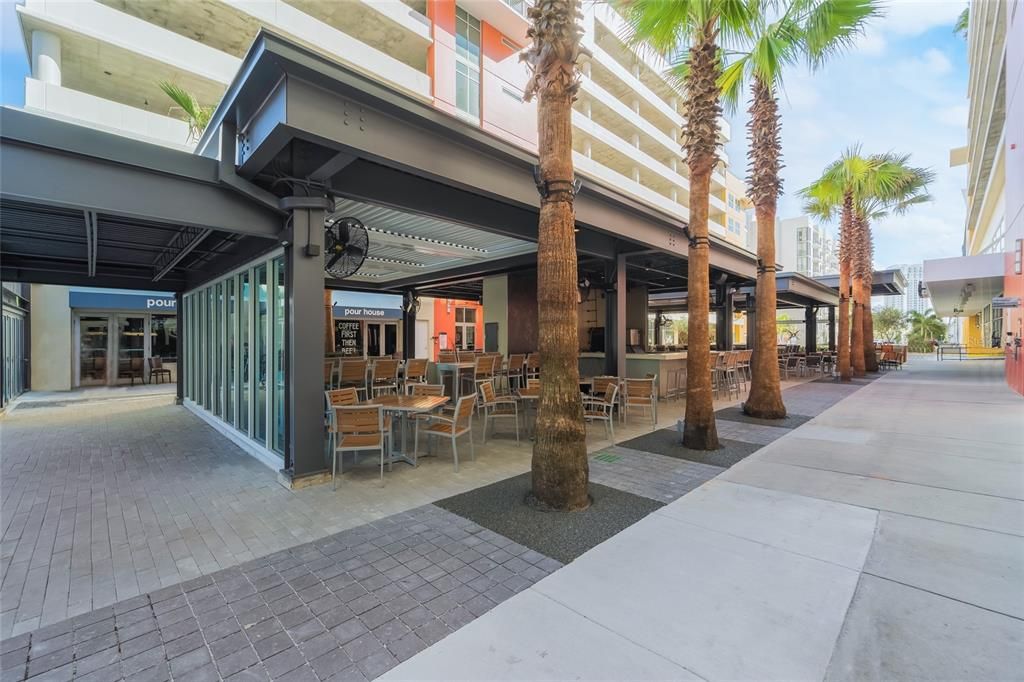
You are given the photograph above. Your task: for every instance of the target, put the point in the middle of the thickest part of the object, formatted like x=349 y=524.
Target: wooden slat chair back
x=496 y=406
x=600 y=407
x=415 y=371
x=330 y=373
x=352 y=373
x=384 y=376
x=357 y=428
x=640 y=395
x=445 y=356
x=451 y=428
x=533 y=365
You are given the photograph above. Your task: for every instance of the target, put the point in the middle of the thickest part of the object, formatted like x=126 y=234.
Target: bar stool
x=675 y=383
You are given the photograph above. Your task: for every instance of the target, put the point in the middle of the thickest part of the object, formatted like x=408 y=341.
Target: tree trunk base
x=537 y=504
x=764 y=411
x=700 y=438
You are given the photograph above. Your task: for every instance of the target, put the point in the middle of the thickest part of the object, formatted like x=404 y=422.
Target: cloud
x=871 y=43
x=910 y=18
x=913 y=101
x=955 y=116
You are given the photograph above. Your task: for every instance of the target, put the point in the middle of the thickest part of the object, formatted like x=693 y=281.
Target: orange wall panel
x=444 y=321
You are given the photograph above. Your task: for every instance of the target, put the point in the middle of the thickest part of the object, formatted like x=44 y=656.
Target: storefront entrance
x=112 y=349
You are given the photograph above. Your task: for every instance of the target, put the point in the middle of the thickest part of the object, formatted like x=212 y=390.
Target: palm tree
x=702 y=27
x=197 y=115
x=806 y=29
x=894 y=187
x=926 y=326
x=830 y=195
x=560 y=468
x=861 y=188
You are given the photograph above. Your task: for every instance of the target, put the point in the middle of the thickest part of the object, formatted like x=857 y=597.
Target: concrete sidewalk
x=881 y=540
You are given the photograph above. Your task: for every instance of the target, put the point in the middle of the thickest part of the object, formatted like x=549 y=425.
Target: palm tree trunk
x=857 y=328
x=765 y=399
x=845 y=372
x=700 y=135
x=858 y=254
x=560 y=466
x=870 y=358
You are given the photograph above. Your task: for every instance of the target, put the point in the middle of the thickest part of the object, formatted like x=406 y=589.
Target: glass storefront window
x=278 y=357
x=244 y=315
x=216 y=349
x=236 y=351
x=260 y=343
x=232 y=338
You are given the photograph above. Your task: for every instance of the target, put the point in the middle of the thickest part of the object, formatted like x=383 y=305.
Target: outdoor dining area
x=398 y=410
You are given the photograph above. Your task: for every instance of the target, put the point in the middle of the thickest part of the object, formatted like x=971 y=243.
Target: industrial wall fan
x=345 y=246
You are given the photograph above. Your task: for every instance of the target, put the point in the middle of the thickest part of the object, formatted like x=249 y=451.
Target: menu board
x=348 y=338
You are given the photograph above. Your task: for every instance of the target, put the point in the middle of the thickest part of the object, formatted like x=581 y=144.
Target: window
x=465 y=328
x=467 y=62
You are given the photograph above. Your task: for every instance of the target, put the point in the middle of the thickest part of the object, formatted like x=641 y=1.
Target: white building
x=910 y=299
x=101 y=62
x=804 y=246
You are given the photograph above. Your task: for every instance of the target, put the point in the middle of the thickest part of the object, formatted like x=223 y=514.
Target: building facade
x=910 y=299
x=990 y=265
x=101 y=62
x=802 y=245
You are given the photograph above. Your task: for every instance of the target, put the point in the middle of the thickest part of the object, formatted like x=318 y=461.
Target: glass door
x=131 y=349
x=374 y=345
x=93 y=351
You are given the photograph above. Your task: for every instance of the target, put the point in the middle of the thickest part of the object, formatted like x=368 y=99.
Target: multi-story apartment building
x=101 y=62
x=804 y=246
x=737 y=227
x=910 y=299
x=993 y=244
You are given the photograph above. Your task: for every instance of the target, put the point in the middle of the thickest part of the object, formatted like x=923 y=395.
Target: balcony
x=103 y=114
x=117 y=57
x=397 y=37
x=508 y=16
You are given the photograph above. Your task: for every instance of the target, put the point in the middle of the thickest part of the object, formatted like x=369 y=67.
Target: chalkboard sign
x=348 y=338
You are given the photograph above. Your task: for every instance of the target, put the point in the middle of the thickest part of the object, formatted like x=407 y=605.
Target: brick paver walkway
x=349 y=606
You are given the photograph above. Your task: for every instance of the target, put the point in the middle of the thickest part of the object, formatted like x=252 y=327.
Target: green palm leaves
x=197 y=115
x=926 y=326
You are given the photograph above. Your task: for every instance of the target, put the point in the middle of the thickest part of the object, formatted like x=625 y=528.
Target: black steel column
x=811 y=329
x=723 y=318
x=409 y=324
x=620 y=316
x=180 y=357
x=611 y=295
x=304 y=336
x=832 y=328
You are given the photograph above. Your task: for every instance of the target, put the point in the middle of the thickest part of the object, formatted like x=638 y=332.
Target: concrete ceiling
x=963 y=285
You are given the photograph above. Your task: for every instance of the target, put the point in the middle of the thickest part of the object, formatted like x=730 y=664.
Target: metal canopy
x=794 y=290
x=84 y=207
x=406 y=246
x=303 y=119
x=884 y=282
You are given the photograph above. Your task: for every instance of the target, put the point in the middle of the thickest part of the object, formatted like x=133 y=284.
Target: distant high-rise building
x=911 y=298
x=803 y=246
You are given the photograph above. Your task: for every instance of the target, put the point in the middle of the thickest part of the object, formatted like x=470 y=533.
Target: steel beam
x=38 y=170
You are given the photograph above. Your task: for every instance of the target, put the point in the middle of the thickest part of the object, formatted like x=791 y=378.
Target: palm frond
x=962 y=24
x=198 y=116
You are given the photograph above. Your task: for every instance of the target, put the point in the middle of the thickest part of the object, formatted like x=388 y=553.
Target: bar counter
x=638 y=365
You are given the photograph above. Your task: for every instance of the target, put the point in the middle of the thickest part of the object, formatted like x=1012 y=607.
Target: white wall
x=51 y=338
x=495 y=302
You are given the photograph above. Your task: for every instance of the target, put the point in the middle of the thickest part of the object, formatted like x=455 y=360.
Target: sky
x=901 y=88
